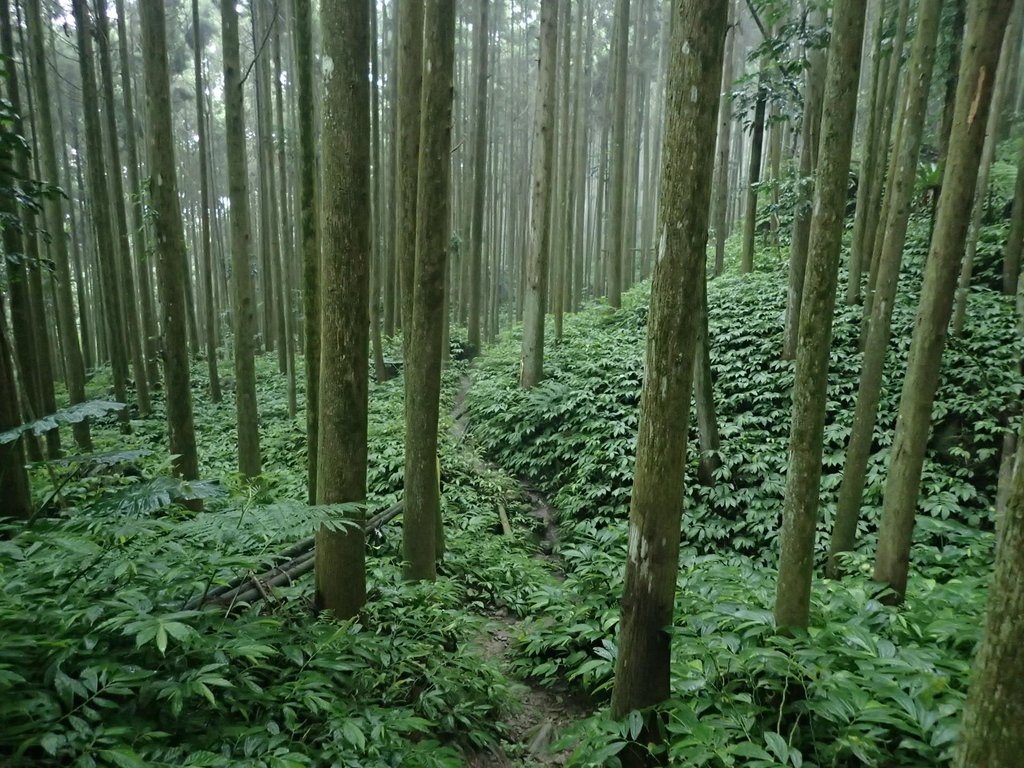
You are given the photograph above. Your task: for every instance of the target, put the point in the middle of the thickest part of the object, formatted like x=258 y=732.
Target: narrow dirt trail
x=546 y=712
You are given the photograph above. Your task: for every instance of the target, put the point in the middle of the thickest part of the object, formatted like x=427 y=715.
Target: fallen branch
x=298 y=560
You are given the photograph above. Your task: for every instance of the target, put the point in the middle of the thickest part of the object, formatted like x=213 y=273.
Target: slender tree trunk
x=204 y=202
x=14 y=486
x=724 y=145
x=376 y=238
x=810 y=132
x=617 y=180
x=803 y=478
x=535 y=304
x=170 y=240
x=422 y=531
x=249 y=462
x=974 y=92
x=753 y=178
x=694 y=77
x=123 y=247
x=1015 y=239
x=479 y=181
x=100 y=207
x=345 y=322
x=407 y=150
x=308 y=231
x=858 y=451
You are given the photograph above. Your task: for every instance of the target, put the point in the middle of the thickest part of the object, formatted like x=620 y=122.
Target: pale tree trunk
x=249 y=462
x=858 y=451
x=422 y=538
x=535 y=303
x=204 y=202
x=617 y=179
x=810 y=131
x=100 y=207
x=345 y=321
x=692 y=95
x=170 y=240
x=407 y=152
x=810 y=385
x=479 y=181
x=308 y=235
x=54 y=207
x=724 y=145
x=991 y=735
x=974 y=92
x=380 y=370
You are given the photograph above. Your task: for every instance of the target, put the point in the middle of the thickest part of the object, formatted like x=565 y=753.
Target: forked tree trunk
x=851 y=491
x=345 y=321
x=170 y=240
x=810 y=386
x=422 y=533
x=249 y=462
x=694 y=78
x=974 y=92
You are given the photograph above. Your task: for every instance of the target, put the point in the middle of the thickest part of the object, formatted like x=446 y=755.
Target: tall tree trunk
x=308 y=232
x=810 y=386
x=1015 y=239
x=974 y=92
x=535 y=304
x=851 y=491
x=407 y=151
x=117 y=200
x=617 y=180
x=724 y=145
x=249 y=462
x=377 y=239
x=479 y=181
x=991 y=735
x=14 y=486
x=100 y=207
x=422 y=532
x=204 y=202
x=694 y=77
x=753 y=178
x=170 y=240
x=345 y=322
x=810 y=132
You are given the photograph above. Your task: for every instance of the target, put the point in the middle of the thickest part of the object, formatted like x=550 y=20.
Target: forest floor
x=545 y=712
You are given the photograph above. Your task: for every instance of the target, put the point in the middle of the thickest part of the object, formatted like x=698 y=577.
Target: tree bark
x=345 y=322
x=1015 y=239
x=535 y=305
x=851 y=491
x=407 y=152
x=170 y=240
x=249 y=462
x=479 y=181
x=753 y=178
x=724 y=145
x=694 y=79
x=422 y=537
x=974 y=92
x=810 y=386
x=617 y=178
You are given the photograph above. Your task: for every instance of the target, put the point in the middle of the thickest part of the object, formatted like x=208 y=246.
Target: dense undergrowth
x=101 y=664
x=867 y=685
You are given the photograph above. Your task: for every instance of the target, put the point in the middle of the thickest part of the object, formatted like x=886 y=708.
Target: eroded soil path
x=546 y=712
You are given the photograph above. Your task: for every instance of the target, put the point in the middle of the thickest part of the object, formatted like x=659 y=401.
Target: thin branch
x=256 y=56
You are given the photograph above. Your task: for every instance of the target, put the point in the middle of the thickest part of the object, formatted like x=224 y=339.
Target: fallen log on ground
x=297 y=560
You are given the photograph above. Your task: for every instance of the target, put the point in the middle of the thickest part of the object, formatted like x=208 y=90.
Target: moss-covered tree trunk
x=344 y=310
x=249 y=462
x=991 y=736
x=536 y=267
x=694 y=78
x=309 y=242
x=803 y=478
x=858 y=450
x=169 y=240
x=985 y=29
x=422 y=532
